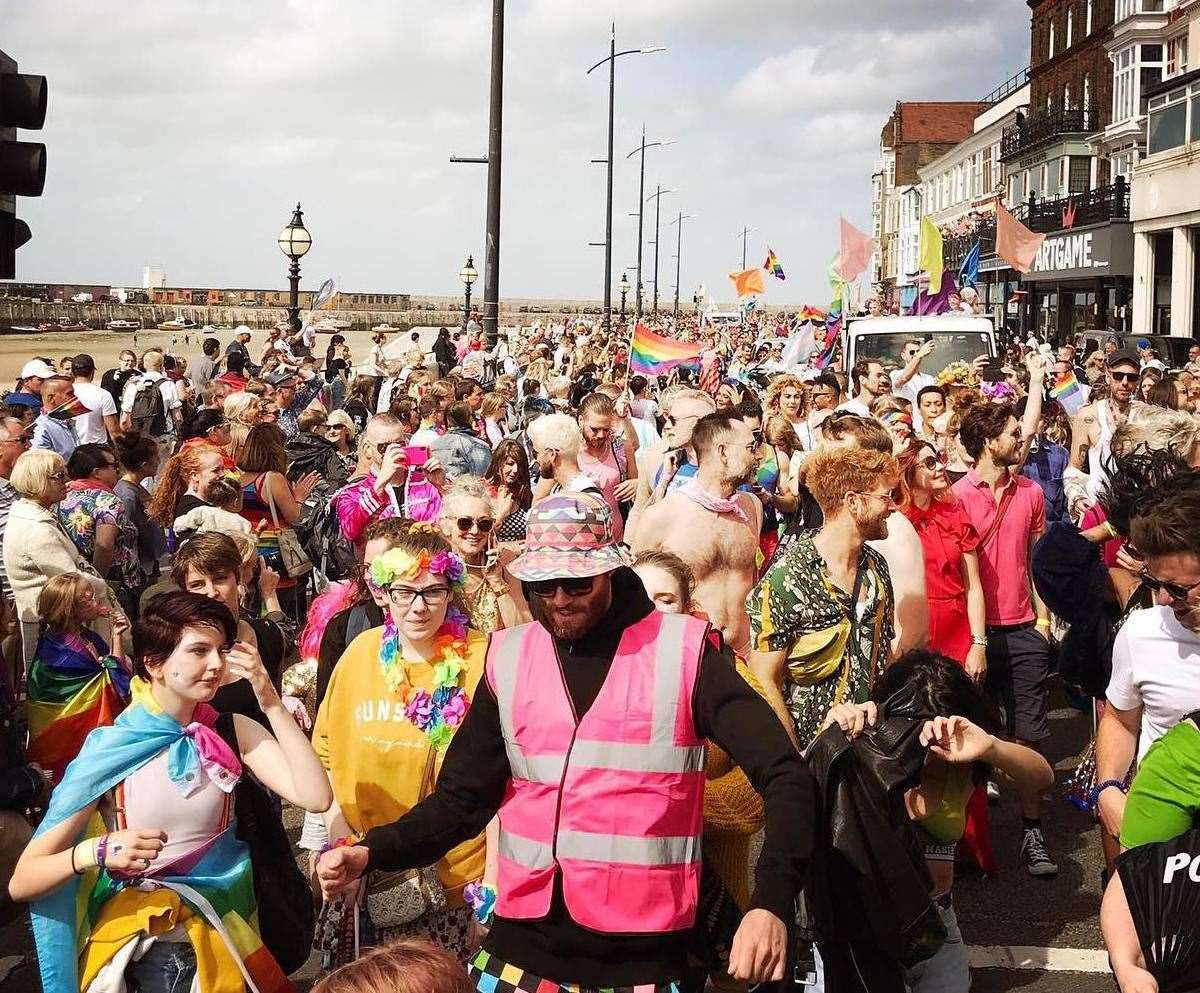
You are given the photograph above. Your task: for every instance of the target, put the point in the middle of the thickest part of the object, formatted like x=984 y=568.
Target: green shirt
x=1165 y=794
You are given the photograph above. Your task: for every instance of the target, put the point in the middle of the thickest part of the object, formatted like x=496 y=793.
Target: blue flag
x=969 y=274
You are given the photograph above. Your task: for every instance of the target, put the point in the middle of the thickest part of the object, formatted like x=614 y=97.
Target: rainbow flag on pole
x=834 y=318
x=72 y=406
x=772 y=264
x=1067 y=391
x=651 y=354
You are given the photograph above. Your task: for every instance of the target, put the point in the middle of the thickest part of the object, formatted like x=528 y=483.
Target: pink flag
x=1015 y=243
x=856 y=251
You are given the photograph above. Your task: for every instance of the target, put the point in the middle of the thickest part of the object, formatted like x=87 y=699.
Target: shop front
x=1081 y=280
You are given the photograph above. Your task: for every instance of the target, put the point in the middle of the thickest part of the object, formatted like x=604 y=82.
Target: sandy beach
x=105 y=346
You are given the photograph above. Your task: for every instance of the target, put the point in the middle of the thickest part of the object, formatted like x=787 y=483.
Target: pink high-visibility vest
x=613 y=801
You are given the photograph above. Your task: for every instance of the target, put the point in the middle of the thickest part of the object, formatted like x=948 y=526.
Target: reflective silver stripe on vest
x=635 y=758
x=622 y=849
x=667 y=674
x=525 y=851
x=505 y=659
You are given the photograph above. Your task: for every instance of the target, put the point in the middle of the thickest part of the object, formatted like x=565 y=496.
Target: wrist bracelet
x=1043 y=624
x=1094 y=795
x=1112 y=531
x=74 y=871
x=978 y=642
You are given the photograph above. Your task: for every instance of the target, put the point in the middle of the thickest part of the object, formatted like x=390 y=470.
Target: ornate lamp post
x=623 y=286
x=468 y=275
x=295 y=241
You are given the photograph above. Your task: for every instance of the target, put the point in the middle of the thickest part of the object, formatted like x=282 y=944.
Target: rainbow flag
x=70 y=407
x=1067 y=391
x=772 y=264
x=74 y=686
x=217 y=888
x=811 y=315
x=834 y=318
x=651 y=354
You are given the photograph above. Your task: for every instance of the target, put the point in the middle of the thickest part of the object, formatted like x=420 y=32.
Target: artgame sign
x=1102 y=250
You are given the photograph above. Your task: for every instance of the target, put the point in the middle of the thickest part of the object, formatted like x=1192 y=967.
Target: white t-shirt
x=854 y=406
x=170 y=398
x=914 y=386
x=1155 y=665
x=89 y=427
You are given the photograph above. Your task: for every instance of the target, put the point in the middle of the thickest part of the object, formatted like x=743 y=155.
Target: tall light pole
x=742 y=234
x=611 y=59
x=624 y=288
x=641 y=149
x=491 y=263
x=679 y=253
x=657 y=196
x=294 y=241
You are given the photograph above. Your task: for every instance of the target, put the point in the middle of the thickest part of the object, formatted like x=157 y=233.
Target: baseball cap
x=23 y=400
x=83 y=364
x=1124 y=356
x=38 y=368
x=568 y=536
x=279 y=378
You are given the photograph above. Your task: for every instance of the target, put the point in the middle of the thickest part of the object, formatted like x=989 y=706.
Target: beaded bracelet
x=329 y=846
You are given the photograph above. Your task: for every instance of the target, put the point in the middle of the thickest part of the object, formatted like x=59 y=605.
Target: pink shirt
x=1004 y=557
x=606 y=474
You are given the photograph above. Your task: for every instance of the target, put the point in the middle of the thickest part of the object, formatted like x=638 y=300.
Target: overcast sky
x=183 y=132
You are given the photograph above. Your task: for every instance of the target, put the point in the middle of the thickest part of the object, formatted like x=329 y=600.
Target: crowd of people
x=537 y=644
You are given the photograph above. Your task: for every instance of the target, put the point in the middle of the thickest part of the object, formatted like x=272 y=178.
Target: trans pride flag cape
x=219 y=886
x=71 y=691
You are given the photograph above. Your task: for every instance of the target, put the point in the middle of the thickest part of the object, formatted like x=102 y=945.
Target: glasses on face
x=484 y=524
x=406 y=596
x=24 y=440
x=335 y=427
x=885 y=497
x=1175 y=591
x=1124 y=377
x=219 y=426
x=671 y=420
x=934 y=462
x=544 y=589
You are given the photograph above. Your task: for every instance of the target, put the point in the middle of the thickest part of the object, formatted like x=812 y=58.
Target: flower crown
x=957 y=374
x=399 y=563
x=998 y=392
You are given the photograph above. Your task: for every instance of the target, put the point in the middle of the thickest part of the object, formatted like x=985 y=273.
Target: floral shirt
x=79 y=513
x=795 y=598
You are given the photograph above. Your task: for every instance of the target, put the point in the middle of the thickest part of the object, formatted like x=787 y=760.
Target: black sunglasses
x=1176 y=592
x=485 y=524
x=1125 y=377
x=546 y=588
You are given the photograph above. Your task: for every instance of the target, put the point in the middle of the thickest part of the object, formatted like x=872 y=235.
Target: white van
x=957 y=338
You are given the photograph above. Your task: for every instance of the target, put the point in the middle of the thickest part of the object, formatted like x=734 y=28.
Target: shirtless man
x=711 y=526
x=1093 y=427
x=670 y=462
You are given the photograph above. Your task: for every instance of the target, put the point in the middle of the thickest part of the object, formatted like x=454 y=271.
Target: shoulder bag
x=291 y=553
x=398 y=898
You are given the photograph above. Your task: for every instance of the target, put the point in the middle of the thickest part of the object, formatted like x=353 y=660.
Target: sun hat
x=568 y=536
x=38 y=368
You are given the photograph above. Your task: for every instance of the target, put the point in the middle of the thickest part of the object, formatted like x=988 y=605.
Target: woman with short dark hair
x=160 y=778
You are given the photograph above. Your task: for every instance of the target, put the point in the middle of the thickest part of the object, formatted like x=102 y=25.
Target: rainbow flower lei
x=440 y=712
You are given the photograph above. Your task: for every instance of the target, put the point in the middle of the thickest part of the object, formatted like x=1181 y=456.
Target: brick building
x=914 y=135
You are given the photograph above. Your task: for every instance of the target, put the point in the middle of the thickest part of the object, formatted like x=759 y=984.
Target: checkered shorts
x=491 y=975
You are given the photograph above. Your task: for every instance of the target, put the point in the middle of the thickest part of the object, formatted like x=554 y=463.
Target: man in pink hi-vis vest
x=586 y=739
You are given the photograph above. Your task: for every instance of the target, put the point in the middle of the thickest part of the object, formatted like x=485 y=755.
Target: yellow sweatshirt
x=376 y=757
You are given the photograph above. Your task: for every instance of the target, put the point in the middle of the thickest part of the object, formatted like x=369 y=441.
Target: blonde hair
x=557 y=431
x=775 y=391
x=59 y=599
x=344 y=419
x=30 y=475
x=1174 y=430
x=465 y=488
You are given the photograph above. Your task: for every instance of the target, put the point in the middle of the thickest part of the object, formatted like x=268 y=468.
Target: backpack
x=320 y=534
x=148 y=412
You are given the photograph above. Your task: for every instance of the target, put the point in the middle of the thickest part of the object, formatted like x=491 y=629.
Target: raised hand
x=955 y=739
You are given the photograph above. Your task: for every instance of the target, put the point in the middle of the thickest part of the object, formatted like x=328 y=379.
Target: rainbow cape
x=651 y=354
x=772 y=264
x=71 y=692
x=1067 y=391
x=72 y=406
x=219 y=886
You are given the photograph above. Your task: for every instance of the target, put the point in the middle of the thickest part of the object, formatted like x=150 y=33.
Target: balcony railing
x=1008 y=87
x=1098 y=206
x=1043 y=127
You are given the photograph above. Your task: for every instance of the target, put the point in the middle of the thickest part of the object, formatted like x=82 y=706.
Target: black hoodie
x=475 y=776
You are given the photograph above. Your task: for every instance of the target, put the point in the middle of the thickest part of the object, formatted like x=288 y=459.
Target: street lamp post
x=641 y=203
x=624 y=288
x=611 y=59
x=679 y=253
x=468 y=275
x=657 y=196
x=294 y=241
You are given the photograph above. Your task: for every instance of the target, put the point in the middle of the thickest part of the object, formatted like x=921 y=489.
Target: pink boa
x=321 y=611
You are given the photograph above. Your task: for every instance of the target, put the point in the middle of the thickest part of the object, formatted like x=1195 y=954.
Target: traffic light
x=22 y=163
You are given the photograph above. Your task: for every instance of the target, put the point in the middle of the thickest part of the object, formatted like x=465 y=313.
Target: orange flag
x=1015 y=243
x=749 y=283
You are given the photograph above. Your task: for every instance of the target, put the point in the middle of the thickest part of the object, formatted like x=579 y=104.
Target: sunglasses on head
x=546 y=588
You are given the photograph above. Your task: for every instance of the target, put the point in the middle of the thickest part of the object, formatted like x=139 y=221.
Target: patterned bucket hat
x=569 y=536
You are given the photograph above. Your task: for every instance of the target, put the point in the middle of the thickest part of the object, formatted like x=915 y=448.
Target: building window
x=1070 y=28
x=977 y=185
x=1088 y=31
x=1051 y=55
x=1066 y=96
x=1177 y=56
x=1168 y=127
x=1150 y=73
x=1045 y=183
x=1080 y=177
x=1087 y=92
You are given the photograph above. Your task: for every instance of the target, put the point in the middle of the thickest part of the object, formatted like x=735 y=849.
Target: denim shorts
x=167 y=967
